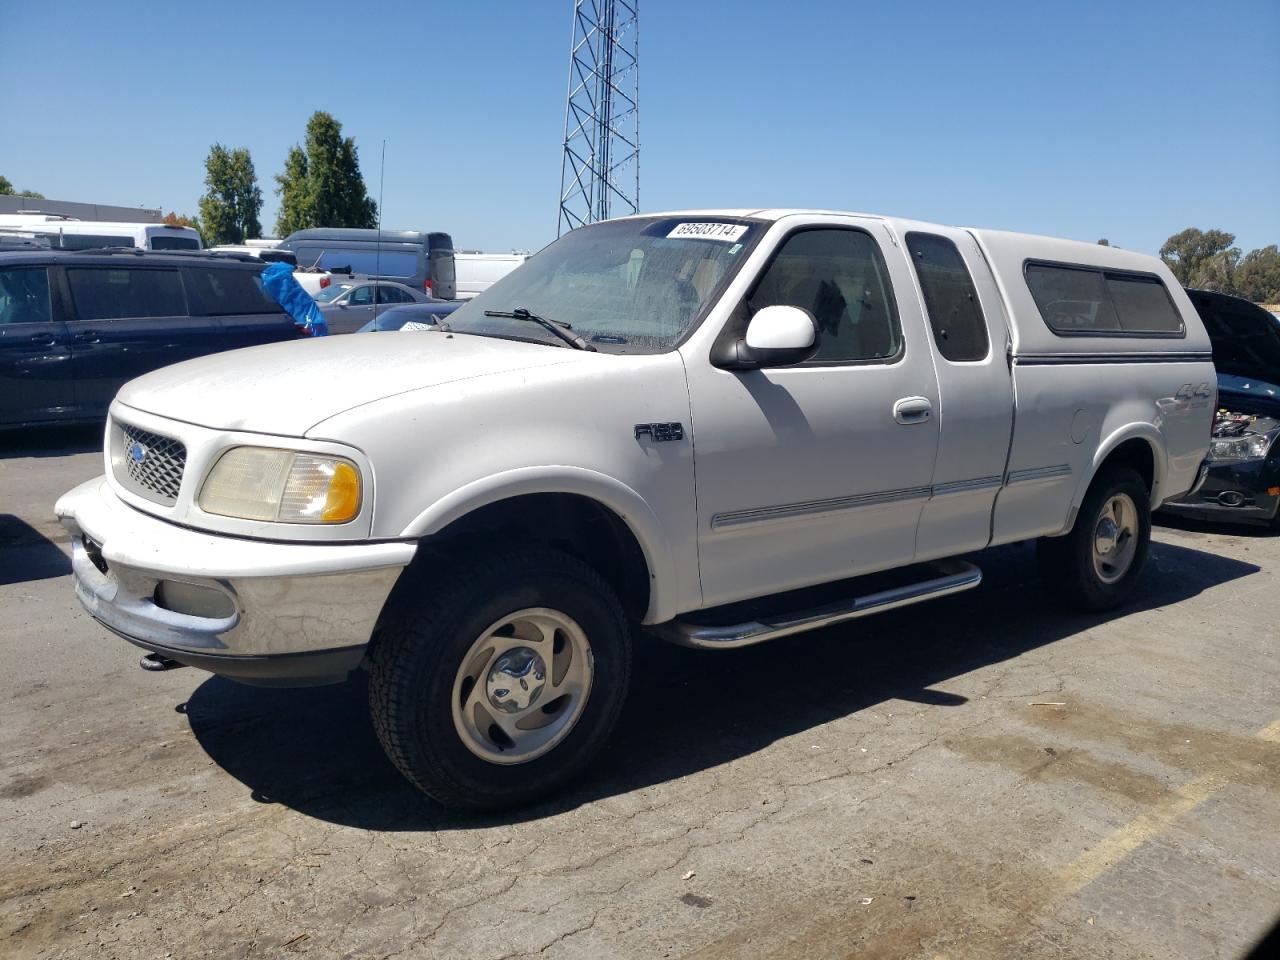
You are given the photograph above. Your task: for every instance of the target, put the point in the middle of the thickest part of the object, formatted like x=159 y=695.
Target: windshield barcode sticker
x=725 y=232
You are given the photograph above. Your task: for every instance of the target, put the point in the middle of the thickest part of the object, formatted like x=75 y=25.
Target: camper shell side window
x=1077 y=300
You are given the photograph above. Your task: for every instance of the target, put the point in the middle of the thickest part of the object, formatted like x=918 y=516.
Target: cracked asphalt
x=984 y=776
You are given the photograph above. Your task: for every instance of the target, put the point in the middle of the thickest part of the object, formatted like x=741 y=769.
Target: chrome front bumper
x=267 y=611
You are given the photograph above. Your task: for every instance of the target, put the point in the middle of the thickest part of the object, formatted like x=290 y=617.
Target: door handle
x=44 y=339
x=913 y=410
x=89 y=336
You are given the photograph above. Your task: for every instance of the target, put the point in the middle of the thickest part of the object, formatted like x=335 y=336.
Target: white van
x=476 y=272
x=65 y=233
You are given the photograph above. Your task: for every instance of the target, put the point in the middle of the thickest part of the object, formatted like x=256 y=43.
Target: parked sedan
x=1242 y=482
x=348 y=305
x=419 y=313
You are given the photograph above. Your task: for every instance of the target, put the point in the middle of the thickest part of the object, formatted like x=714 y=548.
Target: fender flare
x=622 y=500
x=1112 y=442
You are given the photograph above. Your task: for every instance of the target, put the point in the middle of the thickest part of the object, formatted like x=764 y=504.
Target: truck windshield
x=625 y=286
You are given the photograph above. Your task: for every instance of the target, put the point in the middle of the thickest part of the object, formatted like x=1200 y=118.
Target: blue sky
x=1121 y=120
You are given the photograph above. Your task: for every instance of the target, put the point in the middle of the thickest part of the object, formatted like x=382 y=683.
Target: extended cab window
x=1083 y=300
x=24 y=295
x=840 y=277
x=959 y=328
x=108 y=293
x=219 y=293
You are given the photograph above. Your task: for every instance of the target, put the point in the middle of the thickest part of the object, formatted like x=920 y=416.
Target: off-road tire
x=419 y=647
x=1066 y=563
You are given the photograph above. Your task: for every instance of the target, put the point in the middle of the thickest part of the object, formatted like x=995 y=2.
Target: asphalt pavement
x=984 y=776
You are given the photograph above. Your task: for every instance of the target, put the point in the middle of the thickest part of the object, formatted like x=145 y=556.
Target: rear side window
x=88 y=241
x=367 y=260
x=1081 y=300
x=840 y=277
x=220 y=293
x=160 y=241
x=24 y=295
x=1143 y=304
x=119 y=294
x=959 y=328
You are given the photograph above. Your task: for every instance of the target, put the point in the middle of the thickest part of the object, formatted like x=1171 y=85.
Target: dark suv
x=75 y=325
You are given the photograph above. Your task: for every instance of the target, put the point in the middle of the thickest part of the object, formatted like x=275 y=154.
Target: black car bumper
x=1247 y=491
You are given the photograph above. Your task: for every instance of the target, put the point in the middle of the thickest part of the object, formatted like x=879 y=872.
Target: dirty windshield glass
x=625 y=286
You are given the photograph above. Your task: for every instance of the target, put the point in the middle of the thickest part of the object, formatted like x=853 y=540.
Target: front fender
x=625 y=502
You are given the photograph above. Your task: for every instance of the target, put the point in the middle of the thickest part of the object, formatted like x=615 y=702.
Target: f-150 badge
x=660 y=431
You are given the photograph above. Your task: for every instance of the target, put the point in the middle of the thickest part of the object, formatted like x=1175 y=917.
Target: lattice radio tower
x=600 y=170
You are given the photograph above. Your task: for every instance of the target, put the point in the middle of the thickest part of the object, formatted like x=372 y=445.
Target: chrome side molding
x=953 y=576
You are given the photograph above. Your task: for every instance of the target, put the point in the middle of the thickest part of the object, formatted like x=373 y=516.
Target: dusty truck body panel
x=654 y=421
x=1081 y=396
x=579 y=439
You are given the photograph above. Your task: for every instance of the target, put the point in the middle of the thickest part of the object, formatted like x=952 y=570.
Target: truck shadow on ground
x=27 y=554
x=55 y=440
x=1221 y=527
x=314 y=750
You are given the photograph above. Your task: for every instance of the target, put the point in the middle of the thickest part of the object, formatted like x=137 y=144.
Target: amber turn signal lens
x=343 y=500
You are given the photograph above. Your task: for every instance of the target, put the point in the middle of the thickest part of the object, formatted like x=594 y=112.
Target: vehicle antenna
x=377 y=250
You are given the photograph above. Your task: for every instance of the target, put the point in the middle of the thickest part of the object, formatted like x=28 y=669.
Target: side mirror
x=776 y=337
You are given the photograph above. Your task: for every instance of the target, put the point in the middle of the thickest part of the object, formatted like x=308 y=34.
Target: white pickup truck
x=650 y=422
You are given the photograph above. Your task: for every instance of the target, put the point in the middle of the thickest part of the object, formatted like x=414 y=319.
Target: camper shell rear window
x=1077 y=301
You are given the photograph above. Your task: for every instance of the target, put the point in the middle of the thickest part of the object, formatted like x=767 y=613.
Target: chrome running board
x=953 y=576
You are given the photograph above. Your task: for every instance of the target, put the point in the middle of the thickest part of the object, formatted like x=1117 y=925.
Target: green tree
x=1258 y=276
x=295 y=194
x=7 y=189
x=1189 y=253
x=321 y=185
x=233 y=202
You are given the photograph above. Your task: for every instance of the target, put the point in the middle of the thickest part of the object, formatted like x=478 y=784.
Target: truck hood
x=286 y=388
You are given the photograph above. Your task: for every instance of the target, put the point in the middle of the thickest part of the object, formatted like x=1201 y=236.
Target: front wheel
x=1096 y=566
x=500 y=682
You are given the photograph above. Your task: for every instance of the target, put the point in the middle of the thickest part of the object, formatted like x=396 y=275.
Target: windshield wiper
x=558 y=327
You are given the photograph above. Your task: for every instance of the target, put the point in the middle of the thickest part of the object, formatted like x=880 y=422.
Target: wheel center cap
x=516 y=680
x=1106 y=535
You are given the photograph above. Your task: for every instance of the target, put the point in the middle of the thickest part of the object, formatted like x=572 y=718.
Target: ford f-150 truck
x=672 y=425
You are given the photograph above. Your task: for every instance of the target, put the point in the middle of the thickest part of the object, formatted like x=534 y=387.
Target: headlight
x=1253 y=446
x=260 y=483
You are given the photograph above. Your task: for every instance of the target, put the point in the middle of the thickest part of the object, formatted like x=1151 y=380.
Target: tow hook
x=154 y=663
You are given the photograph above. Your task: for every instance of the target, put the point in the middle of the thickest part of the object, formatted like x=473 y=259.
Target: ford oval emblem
x=137 y=452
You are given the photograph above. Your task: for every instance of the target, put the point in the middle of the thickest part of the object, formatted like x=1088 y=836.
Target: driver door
x=818 y=471
x=357 y=312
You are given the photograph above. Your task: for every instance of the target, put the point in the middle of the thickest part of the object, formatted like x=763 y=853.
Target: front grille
x=150 y=465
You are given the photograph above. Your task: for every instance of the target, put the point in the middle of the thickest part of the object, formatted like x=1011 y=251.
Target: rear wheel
x=1096 y=566
x=498 y=685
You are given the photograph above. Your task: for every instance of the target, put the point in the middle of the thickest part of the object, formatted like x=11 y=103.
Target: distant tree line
x=321 y=186
x=7 y=189
x=1208 y=260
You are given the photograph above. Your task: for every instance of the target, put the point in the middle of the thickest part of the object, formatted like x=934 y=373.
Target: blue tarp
x=278 y=281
